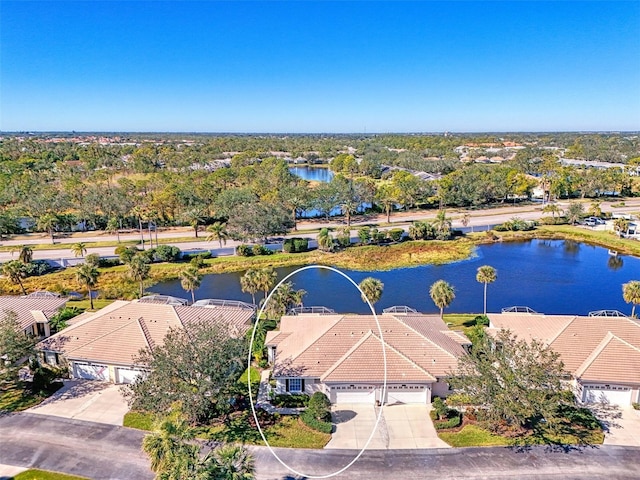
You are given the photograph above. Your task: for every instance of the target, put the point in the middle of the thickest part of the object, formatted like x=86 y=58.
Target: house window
x=294 y=385
x=40 y=331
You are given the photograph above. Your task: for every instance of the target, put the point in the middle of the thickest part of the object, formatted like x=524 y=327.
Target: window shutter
x=302 y=385
x=287 y=384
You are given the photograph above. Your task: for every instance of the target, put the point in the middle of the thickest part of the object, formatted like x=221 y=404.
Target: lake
x=314 y=174
x=554 y=276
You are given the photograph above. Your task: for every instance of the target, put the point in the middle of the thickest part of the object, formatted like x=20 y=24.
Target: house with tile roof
x=602 y=353
x=33 y=311
x=342 y=356
x=104 y=344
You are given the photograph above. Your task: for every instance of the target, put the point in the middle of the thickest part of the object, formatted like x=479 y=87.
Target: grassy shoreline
x=113 y=282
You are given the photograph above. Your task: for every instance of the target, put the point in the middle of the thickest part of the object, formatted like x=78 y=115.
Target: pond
x=553 y=277
x=314 y=174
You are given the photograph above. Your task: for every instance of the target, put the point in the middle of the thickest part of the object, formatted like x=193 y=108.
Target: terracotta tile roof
x=612 y=352
x=602 y=348
x=364 y=362
x=118 y=332
x=23 y=306
x=317 y=342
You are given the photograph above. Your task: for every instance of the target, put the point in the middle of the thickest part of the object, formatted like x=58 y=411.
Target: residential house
x=103 y=345
x=601 y=352
x=33 y=311
x=342 y=356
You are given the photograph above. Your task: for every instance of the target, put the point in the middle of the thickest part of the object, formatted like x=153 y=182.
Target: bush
x=310 y=421
x=37 y=268
x=301 y=244
x=167 y=253
x=126 y=253
x=108 y=262
x=287 y=246
x=395 y=234
x=59 y=320
x=320 y=407
x=244 y=250
x=364 y=234
x=92 y=259
x=261 y=250
x=636 y=405
x=452 y=422
x=294 y=400
x=482 y=320
x=439 y=408
x=189 y=257
x=44 y=379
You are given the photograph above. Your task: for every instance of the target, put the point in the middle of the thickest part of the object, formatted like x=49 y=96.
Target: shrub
x=482 y=320
x=364 y=234
x=310 y=421
x=258 y=250
x=37 y=268
x=452 y=422
x=188 y=257
x=320 y=407
x=108 y=262
x=59 y=320
x=167 y=253
x=294 y=400
x=44 y=379
x=244 y=250
x=395 y=234
x=92 y=259
x=301 y=244
x=636 y=405
x=287 y=246
x=126 y=253
x=439 y=408
x=344 y=237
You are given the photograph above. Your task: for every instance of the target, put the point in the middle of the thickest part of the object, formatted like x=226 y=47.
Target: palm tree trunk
x=388 y=213
x=24 y=292
x=295 y=219
x=91 y=298
x=485 y=298
x=633 y=309
x=220 y=240
x=141 y=288
x=441 y=313
x=193 y=297
x=52 y=239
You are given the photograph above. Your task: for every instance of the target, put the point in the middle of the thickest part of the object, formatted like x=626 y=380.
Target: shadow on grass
x=15 y=397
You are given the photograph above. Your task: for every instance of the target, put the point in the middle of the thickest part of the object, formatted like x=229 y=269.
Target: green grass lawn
x=15 y=397
x=34 y=474
x=460 y=321
x=98 y=303
x=473 y=436
x=139 y=420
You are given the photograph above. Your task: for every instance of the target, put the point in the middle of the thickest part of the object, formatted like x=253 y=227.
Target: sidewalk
x=9 y=471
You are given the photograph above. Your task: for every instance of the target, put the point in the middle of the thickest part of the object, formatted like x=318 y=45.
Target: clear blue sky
x=319 y=66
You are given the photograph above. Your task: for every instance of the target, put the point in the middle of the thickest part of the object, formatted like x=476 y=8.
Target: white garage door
x=406 y=394
x=127 y=375
x=91 y=372
x=611 y=394
x=353 y=394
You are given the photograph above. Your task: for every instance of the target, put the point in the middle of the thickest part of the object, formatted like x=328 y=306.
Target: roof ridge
x=346 y=354
x=145 y=333
x=594 y=353
x=395 y=350
x=557 y=335
x=427 y=339
x=318 y=337
x=624 y=341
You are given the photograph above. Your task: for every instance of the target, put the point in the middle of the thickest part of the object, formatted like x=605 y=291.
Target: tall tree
x=442 y=295
x=442 y=225
x=631 y=294
x=190 y=280
x=518 y=384
x=48 y=222
x=218 y=231
x=79 y=249
x=14 y=345
x=25 y=253
x=486 y=274
x=552 y=208
x=574 y=212
x=325 y=240
x=266 y=280
x=388 y=196
x=15 y=271
x=87 y=276
x=283 y=299
x=138 y=270
x=113 y=227
x=250 y=283
x=372 y=289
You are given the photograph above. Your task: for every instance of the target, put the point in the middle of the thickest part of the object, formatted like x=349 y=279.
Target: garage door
x=91 y=371
x=353 y=394
x=406 y=394
x=611 y=394
x=127 y=375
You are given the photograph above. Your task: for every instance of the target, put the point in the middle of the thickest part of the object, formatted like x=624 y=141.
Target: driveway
x=621 y=424
x=86 y=400
x=400 y=427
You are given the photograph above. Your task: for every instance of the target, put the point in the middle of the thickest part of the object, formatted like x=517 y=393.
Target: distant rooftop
x=607 y=313
x=518 y=309
x=213 y=302
x=399 y=309
x=163 y=300
x=320 y=310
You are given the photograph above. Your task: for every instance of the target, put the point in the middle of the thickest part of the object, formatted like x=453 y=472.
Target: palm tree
x=87 y=275
x=79 y=249
x=620 y=225
x=372 y=289
x=594 y=209
x=631 y=294
x=190 y=279
x=266 y=280
x=325 y=240
x=218 y=231
x=466 y=218
x=574 y=212
x=552 y=208
x=138 y=269
x=442 y=295
x=48 y=222
x=486 y=274
x=193 y=217
x=284 y=298
x=442 y=225
x=387 y=196
x=249 y=283
x=233 y=462
x=14 y=269
x=168 y=442
x=25 y=254
x=113 y=226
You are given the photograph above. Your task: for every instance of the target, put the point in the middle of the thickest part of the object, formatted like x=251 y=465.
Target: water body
x=313 y=174
x=553 y=277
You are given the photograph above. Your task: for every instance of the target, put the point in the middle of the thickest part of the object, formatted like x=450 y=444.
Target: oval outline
x=384 y=385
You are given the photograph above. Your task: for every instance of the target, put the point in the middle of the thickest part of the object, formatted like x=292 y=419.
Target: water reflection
x=615 y=262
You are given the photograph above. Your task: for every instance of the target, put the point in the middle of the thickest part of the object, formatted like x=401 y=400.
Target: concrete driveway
x=621 y=424
x=400 y=427
x=86 y=400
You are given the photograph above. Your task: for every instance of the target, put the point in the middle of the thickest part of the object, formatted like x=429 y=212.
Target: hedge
x=452 y=422
x=291 y=401
x=295 y=245
x=310 y=421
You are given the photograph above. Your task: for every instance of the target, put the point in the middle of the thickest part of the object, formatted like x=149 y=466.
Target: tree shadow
x=343 y=416
x=76 y=389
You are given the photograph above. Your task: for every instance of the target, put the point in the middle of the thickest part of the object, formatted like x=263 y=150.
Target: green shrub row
x=451 y=422
x=252 y=250
x=296 y=400
x=295 y=245
x=319 y=425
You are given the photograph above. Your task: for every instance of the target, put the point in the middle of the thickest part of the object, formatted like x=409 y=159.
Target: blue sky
x=421 y=66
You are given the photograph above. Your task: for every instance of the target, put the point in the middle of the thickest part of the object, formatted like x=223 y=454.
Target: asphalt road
x=101 y=451
x=478 y=220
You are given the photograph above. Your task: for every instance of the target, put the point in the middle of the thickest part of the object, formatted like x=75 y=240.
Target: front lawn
x=139 y=420
x=34 y=474
x=473 y=436
x=17 y=396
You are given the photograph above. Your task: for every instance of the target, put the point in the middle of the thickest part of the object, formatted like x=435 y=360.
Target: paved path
x=102 y=451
